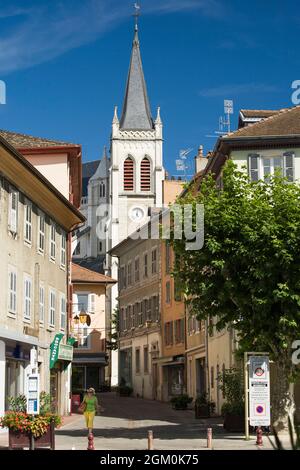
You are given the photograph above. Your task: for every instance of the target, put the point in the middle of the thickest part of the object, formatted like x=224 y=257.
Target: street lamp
x=76 y=320
x=83 y=316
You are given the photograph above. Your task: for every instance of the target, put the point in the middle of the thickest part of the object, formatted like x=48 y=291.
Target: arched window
x=145 y=175
x=128 y=174
x=103 y=189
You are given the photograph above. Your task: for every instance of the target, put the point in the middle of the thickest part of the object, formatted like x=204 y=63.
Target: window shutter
x=92 y=300
x=288 y=164
x=13 y=211
x=253 y=166
x=145 y=175
x=128 y=174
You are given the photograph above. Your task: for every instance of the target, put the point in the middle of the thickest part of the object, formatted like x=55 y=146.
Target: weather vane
x=136 y=14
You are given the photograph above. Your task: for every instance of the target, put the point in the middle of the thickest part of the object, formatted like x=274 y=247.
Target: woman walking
x=91 y=407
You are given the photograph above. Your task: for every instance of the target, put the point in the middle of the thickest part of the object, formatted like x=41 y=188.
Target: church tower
x=136 y=169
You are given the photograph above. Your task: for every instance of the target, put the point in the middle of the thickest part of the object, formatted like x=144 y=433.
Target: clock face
x=136 y=214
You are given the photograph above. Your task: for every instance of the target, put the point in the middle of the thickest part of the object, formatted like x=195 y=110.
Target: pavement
x=125 y=423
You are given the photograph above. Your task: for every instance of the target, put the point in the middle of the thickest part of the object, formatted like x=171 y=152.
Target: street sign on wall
x=259 y=391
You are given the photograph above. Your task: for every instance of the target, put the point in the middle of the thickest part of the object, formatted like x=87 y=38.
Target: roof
x=259 y=113
x=37 y=187
x=136 y=112
x=86 y=276
x=27 y=141
x=88 y=170
x=92 y=263
x=286 y=122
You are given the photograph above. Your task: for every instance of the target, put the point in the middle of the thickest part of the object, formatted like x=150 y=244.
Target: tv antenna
x=181 y=161
x=224 y=121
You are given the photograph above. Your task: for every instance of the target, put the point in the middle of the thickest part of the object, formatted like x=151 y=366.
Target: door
x=92 y=377
x=200 y=377
x=154 y=381
x=54 y=390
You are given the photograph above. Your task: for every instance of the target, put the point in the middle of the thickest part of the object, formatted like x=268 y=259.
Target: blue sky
x=65 y=65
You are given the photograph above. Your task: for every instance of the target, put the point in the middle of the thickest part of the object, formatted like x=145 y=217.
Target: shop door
x=54 y=390
x=92 y=377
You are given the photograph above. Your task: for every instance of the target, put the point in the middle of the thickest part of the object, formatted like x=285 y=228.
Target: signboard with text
x=259 y=391
x=32 y=394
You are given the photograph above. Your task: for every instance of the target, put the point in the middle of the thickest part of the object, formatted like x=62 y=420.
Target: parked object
x=181 y=402
x=204 y=408
x=209 y=438
x=233 y=410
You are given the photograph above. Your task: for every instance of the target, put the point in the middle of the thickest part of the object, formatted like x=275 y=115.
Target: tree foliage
x=248 y=272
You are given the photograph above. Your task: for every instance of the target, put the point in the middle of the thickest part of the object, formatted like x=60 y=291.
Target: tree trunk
x=282 y=398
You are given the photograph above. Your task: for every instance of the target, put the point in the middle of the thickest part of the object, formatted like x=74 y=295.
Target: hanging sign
x=54 y=349
x=259 y=391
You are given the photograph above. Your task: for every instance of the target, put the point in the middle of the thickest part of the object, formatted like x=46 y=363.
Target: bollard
x=150 y=440
x=259 y=434
x=209 y=438
x=91 y=442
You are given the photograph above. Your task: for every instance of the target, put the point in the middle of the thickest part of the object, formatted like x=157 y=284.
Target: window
x=128 y=174
x=140 y=313
x=253 y=167
x=13 y=210
x=179 y=331
x=12 y=291
x=145 y=175
x=102 y=189
x=62 y=312
x=168 y=258
x=129 y=274
x=146 y=360
x=168 y=292
x=99 y=247
x=137 y=270
x=154 y=261
x=137 y=361
x=42 y=304
x=52 y=241
x=177 y=291
x=41 y=234
x=168 y=333
x=52 y=302
x=84 y=337
x=63 y=250
x=145 y=265
x=28 y=222
x=261 y=167
x=27 y=297
x=212 y=377
x=83 y=302
x=154 y=308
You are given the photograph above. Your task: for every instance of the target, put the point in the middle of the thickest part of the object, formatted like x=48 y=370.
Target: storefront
x=61 y=356
x=88 y=370
x=173 y=377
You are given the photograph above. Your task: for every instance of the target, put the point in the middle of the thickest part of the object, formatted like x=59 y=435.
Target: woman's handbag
x=82 y=407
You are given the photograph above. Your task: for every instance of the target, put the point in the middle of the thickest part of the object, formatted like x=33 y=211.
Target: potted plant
x=124 y=389
x=181 y=402
x=233 y=410
x=26 y=430
x=204 y=408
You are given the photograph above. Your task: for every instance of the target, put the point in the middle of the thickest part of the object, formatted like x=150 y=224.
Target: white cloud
x=238 y=89
x=47 y=31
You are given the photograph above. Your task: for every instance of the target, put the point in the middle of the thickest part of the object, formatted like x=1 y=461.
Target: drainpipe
x=207 y=359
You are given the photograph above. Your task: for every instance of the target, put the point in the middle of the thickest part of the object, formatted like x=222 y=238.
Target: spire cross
x=136 y=14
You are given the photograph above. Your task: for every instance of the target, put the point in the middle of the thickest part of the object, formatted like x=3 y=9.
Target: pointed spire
x=116 y=119
x=136 y=112
x=158 y=118
x=104 y=155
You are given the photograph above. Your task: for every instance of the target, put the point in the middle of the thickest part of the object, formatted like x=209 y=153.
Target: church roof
x=136 y=112
x=88 y=169
x=102 y=169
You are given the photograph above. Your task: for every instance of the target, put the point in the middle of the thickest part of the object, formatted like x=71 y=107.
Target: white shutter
x=92 y=301
x=13 y=211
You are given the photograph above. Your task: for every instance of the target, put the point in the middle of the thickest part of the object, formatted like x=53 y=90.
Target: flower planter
x=234 y=423
x=19 y=440
x=202 y=411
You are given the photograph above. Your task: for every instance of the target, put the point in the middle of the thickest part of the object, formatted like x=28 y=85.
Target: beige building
x=35 y=219
x=266 y=141
x=91 y=328
x=139 y=315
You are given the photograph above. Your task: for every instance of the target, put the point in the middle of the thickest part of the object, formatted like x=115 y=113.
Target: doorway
x=200 y=377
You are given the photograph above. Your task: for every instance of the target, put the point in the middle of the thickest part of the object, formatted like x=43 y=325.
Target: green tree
x=247 y=275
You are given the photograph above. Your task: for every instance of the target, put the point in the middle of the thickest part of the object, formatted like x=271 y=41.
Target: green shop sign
x=54 y=349
x=65 y=352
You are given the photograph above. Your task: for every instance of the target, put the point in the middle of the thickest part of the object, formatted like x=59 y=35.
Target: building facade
x=90 y=328
x=34 y=225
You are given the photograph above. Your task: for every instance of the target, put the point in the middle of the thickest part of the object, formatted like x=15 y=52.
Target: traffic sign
x=259 y=391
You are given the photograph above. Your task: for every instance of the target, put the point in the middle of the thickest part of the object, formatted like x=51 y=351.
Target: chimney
x=200 y=160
